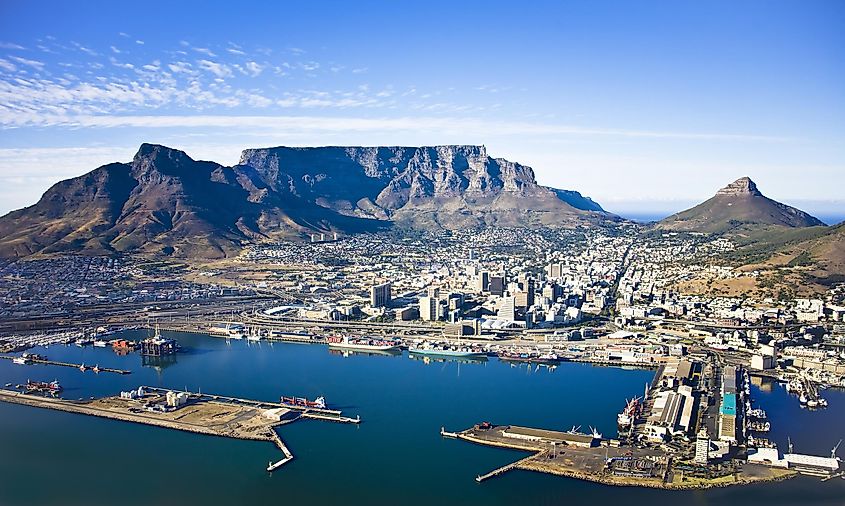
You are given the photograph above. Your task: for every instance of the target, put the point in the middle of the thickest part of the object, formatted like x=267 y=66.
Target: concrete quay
x=221 y=416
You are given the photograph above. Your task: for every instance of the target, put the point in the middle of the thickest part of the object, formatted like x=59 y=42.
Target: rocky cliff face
x=448 y=186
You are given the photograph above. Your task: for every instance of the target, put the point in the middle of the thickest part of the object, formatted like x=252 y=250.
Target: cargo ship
x=52 y=388
x=530 y=357
x=362 y=343
x=302 y=402
x=625 y=420
x=445 y=350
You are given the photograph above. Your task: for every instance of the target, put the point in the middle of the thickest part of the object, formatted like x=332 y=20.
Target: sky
x=647 y=107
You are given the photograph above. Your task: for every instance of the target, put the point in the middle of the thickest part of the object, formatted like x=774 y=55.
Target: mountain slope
x=164 y=201
x=740 y=203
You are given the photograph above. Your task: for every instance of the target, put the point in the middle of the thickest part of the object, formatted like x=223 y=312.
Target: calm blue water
x=395 y=457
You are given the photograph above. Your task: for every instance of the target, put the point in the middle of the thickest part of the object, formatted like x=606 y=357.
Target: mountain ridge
x=165 y=202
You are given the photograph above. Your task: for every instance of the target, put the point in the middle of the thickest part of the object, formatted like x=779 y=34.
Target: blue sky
x=645 y=106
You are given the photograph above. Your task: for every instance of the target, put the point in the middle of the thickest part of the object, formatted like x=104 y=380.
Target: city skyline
x=704 y=100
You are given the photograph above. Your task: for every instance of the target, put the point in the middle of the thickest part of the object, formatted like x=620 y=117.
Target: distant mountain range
x=738 y=204
x=166 y=202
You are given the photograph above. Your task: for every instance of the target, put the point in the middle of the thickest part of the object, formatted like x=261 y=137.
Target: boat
x=52 y=387
x=758 y=426
x=446 y=350
x=757 y=413
x=100 y=343
x=302 y=402
x=530 y=357
x=362 y=343
x=625 y=420
x=20 y=361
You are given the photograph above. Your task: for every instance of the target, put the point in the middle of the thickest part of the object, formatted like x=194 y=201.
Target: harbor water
x=396 y=456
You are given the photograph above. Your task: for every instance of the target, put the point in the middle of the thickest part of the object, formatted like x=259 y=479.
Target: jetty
x=81 y=367
x=588 y=457
x=208 y=414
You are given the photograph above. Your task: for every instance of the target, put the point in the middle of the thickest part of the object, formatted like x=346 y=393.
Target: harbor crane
x=833 y=451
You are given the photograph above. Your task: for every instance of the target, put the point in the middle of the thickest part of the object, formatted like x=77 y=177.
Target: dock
x=214 y=415
x=288 y=456
x=507 y=467
x=81 y=367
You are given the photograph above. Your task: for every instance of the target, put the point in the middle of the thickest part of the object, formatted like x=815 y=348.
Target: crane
x=833 y=451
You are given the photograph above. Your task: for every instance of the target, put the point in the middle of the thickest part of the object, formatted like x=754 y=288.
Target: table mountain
x=165 y=202
x=738 y=204
x=451 y=187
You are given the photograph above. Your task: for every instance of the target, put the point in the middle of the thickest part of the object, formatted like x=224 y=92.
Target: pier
x=507 y=467
x=81 y=367
x=213 y=415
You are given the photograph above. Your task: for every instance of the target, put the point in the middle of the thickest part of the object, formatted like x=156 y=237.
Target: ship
x=52 y=388
x=530 y=357
x=302 y=402
x=362 y=343
x=625 y=420
x=20 y=360
x=445 y=350
x=100 y=343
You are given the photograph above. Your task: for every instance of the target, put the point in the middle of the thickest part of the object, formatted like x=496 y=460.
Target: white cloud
x=31 y=63
x=205 y=51
x=115 y=50
x=218 y=69
x=139 y=42
x=7 y=66
x=254 y=68
x=120 y=64
x=10 y=45
x=457 y=125
x=179 y=67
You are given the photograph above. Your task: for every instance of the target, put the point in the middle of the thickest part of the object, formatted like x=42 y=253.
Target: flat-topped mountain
x=166 y=202
x=446 y=186
x=737 y=204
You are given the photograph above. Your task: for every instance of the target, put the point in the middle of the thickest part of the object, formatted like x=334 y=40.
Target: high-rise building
x=429 y=307
x=380 y=295
x=482 y=283
x=497 y=285
x=508 y=309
